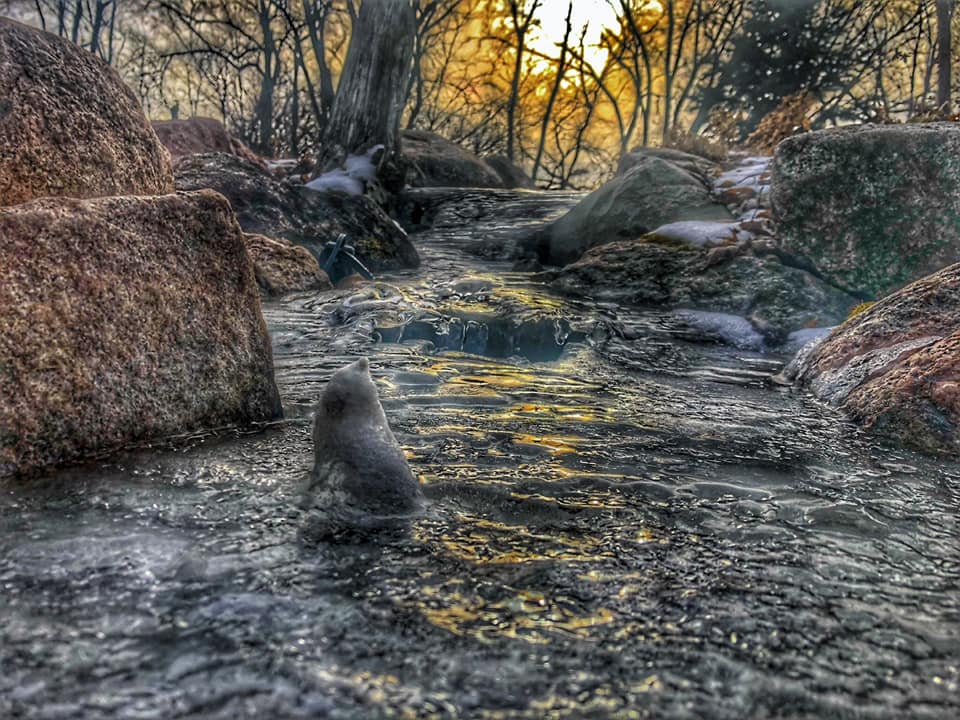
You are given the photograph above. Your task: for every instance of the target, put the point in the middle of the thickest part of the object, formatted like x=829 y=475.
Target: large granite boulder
x=437 y=162
x=198 y=135
x=124 y=319
x=68 y=124
x=873 y=207
x=282 y=267
x=512 y=175
x=701 y=168
x=267 y=206
x=653 y=192
x=895 y=367
x=735 y=280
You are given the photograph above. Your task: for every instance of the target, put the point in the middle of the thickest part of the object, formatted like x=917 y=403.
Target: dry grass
x=790 y=117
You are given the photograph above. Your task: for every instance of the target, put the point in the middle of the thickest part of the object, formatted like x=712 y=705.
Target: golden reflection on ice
x=560 y=413
x=555 y=444
x=530 y=297
x=595 y=500
x=530 y=616
x=489 y=542
x=604 y=701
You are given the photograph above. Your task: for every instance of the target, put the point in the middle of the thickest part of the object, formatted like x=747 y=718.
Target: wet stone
x=636 y=526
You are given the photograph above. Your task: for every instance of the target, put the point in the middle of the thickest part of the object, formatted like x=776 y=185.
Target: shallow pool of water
x=622 y=523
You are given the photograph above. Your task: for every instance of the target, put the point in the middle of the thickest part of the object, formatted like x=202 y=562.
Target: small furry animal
x=360 y=478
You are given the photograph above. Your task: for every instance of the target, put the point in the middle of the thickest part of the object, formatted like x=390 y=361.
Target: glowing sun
x=593 y=15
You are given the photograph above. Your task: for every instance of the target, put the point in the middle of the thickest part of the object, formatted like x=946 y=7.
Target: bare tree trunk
x=264 y=107
x=97 y=26
x=319 y=114
x=111 y=32
x=667 y=69
x=944 y=47
x=295 y=112
x=43 y=19
x=315 y=17
x=915 y=62
x=558 y=80
x=522 y=19
x=370 y=97
x=77 y=18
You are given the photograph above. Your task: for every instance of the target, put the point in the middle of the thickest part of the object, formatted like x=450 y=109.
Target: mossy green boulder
x=873 y=207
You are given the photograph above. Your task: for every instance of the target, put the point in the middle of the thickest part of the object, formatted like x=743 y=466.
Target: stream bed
x=624 y=522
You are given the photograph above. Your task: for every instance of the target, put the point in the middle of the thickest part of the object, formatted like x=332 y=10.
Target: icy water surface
x=623 y=524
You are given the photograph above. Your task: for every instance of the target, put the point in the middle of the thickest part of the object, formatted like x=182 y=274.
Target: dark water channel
x=623 y=523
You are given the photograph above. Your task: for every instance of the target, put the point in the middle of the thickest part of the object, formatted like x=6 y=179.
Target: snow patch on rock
x=729 y=329
x=703 y=234
x=799 y=339
x=357 y=172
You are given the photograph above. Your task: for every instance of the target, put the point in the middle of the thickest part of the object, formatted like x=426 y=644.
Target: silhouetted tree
x=372 y=90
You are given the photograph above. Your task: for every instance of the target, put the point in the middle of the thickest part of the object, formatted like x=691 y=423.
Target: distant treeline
x=563 y=101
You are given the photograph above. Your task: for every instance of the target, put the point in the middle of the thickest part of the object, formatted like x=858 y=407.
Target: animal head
x=350 y=392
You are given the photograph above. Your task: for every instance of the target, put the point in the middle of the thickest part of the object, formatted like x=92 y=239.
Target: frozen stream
x=623 y=523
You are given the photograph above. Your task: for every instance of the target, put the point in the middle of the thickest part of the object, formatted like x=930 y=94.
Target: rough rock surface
x=68 y=124
x=873 y=207
x=123 y=319
x=776 y=299
x=437 y=162
x=700 y=167
x=267 y=206
x=281 y=267
x=198 y=135
x=652 y=193
x=511 y=174
x=895 y=367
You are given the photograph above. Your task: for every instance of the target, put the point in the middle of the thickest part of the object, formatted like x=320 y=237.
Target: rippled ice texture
x=640 y=526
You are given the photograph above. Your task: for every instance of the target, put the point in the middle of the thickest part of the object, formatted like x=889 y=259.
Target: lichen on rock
x=895 y=366
x=124 y=319
x=873 y=207
x=282 y=267
x=69 y=126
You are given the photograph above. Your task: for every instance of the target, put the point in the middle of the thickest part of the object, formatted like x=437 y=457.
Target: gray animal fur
x=360 y=477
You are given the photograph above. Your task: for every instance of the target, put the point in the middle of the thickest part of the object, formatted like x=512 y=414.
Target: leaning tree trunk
x=372 y=89
x=944 y=55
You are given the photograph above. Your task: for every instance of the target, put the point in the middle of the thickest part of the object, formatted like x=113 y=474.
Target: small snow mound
x=747 y=174
x=336 y=180
x=282 y=164
x=729 y=329
x=799 y=339
x=703 y=234
x=352 y=178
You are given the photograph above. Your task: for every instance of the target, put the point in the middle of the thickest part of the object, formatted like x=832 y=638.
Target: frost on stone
x=357 y=172
x=746 y=187
x=799 y=339
x=281 y=164
x=729 y=329
x=749 y=173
